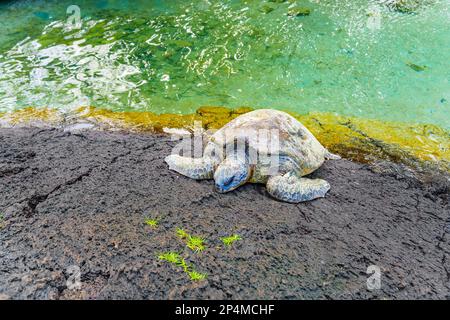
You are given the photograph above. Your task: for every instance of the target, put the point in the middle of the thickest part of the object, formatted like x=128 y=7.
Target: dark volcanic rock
x=80 y=200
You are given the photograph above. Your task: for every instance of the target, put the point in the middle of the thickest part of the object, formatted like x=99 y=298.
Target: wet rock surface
x=81 y=200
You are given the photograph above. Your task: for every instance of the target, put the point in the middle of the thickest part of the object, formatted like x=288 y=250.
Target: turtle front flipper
x=195 y=168
x=292 y=188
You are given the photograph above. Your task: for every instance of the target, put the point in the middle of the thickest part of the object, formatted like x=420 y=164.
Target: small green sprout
x=152 y=222
x=182 y=263
x=228 y=241
x=195 y=243
x=196 y=276
x=182 y=234
x=2 y=218
x=171 y=257
x=192 y=242
x=175 y=258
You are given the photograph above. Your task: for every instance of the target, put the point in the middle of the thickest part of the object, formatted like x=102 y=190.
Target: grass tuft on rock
x=152 y=222
x=182 y=234
x=175 y=259
x=228 y=241
x=194 y=243
x=171 y=257
x=196 y=276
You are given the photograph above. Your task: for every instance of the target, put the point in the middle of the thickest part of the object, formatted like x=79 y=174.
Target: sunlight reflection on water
x=352 y=57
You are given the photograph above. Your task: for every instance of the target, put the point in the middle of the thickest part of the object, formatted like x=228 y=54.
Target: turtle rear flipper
x=332 y=156
x=194 y=168
x=292 y=188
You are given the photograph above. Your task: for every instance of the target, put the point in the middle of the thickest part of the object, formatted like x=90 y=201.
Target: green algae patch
x=406 y=6
x=299 y=11
x=211 y=117
x=416 y=67
x=266 y=9
x=133 y=120
x=362 y=140
x=32 y=117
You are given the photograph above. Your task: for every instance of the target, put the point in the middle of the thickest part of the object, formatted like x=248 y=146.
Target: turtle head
x=230 y=174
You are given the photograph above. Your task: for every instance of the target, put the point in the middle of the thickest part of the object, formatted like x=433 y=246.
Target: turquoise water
x=362 y=58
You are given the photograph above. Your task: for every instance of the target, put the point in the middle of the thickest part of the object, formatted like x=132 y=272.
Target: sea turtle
x=296 y=154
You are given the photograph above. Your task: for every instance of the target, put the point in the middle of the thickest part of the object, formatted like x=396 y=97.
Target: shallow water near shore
x=354 y=58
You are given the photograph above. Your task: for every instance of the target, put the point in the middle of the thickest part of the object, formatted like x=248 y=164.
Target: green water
x=353 y=57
